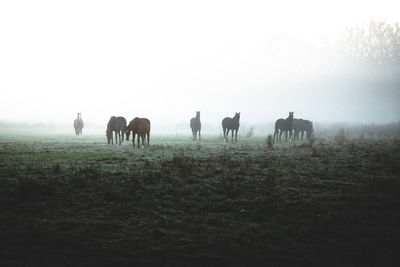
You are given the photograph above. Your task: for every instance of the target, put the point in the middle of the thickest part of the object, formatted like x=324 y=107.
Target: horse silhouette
x=300 y=126
x=195 y=125
x=231 y=124
x=78 y=124
x=117 y=125
x=284 y=125
x=139 y=127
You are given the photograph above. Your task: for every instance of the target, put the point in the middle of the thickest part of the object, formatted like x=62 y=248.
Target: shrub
x=341 y=137
x=250 y=132
x=311 y=141
x=270 y=142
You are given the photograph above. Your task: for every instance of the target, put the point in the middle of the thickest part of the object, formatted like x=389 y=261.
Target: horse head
x=127 y=133
x=237 y=116
x=198 y=114
x=291 y=115
x=290 y=120
x=109 y=135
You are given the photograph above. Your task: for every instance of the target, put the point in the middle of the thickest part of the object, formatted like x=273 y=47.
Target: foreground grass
x=67 y=201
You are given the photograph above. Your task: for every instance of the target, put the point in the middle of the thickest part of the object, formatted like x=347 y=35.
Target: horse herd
x=293 y=128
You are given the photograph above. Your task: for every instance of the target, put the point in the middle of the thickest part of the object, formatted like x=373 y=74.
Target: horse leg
x=148 y=139
x=133 y=140
x=138 y=140
x=232 y=135
x=280 y=135
x=199 y=135
x=236 y=135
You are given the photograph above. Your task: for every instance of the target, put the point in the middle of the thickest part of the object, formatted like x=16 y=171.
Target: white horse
x=78 y=125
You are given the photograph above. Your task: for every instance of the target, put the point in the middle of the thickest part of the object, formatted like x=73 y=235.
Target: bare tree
x=377 y=43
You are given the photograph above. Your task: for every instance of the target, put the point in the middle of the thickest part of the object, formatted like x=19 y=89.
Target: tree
x=377 y=43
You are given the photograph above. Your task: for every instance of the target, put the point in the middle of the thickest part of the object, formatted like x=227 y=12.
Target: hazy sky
x=166 y=59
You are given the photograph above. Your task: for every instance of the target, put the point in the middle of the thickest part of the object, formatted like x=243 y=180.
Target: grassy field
x=66 y=201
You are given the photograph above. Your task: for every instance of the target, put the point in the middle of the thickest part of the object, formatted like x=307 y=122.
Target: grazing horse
x=117 y=125
x=284 y=125
x=78 y=125
x=141 y=127
x=300 y=126
x=195 y=125
x=231 y=124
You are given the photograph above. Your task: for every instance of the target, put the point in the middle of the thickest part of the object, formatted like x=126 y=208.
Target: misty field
x=69 y=201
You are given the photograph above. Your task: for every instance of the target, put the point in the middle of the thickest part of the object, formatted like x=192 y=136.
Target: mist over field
x=165 y=61
x=307 y=175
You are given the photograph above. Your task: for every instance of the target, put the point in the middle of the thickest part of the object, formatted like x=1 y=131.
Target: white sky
x=163 y=59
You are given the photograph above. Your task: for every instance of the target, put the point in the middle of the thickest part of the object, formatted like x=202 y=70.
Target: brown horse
x=78 y=125
x=141 y=127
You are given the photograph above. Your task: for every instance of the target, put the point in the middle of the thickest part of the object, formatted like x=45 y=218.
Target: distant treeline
x=368 y=130
x=321 y=129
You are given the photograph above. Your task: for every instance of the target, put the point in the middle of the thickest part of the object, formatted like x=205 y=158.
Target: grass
x=66 y=201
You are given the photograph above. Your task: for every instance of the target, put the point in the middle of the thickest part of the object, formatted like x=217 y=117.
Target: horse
x=300 y=126
x=78 y=125
x=231 y=124
x=284 y=125
x=141 y=127
x=195 y=125
x=117 y=125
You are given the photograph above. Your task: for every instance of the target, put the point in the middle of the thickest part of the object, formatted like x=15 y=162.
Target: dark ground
x=79 y=202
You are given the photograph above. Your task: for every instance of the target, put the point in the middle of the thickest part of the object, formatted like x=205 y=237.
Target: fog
x=165 y=60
